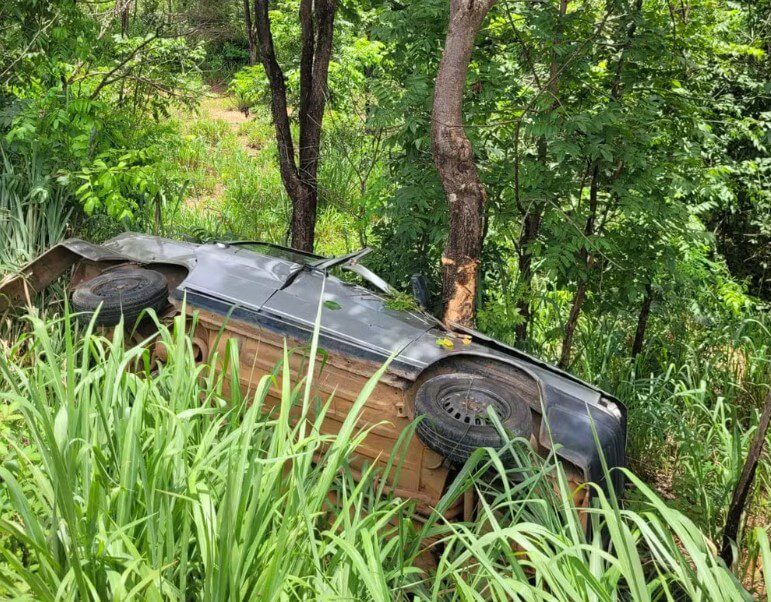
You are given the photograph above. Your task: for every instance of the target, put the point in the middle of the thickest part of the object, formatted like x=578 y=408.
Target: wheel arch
x=496 y=367
x=89 y=259
x=568 y=429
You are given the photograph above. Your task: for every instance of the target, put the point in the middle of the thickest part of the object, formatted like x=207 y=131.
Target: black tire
x=452 y=409
x=123 y=292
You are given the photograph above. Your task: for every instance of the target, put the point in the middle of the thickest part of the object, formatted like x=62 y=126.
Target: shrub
x=249 y=87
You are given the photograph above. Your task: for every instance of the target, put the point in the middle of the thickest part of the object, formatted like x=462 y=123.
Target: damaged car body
x=263 y=296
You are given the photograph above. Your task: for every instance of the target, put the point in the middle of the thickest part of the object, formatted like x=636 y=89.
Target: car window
x=282 y=253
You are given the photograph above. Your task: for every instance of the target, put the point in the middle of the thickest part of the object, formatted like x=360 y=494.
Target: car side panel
x=349 y=314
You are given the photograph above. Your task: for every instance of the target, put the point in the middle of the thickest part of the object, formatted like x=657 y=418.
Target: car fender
x=584 y=431
x=42 y=271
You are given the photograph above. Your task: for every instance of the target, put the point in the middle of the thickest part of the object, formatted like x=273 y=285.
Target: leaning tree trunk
x=123 y=7
x=744 y=486
x=300 y=181
x=531 y=224
x=531 y=227
x=587 y=261
x=454 y=161
x=642 y=321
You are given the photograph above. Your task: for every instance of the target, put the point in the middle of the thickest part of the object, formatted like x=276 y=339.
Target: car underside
x=443 y=381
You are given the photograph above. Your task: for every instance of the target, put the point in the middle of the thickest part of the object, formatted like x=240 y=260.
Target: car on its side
x=264 y=296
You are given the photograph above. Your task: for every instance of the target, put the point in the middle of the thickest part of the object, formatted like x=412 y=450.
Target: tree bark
x=124 y=10
x=454 y=159
x=642 y=321
x=313 y=98
x=744 y=485
x=251 y=34
x=300 y=180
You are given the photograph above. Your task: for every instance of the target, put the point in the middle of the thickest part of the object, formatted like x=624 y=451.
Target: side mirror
x=420 y=290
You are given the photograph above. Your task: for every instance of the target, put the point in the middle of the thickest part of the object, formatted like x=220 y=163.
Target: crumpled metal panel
x=43 y=270
x=233 y=274
x=350 y=313
x=236 y=275
x=143 y=248
x=91 y=251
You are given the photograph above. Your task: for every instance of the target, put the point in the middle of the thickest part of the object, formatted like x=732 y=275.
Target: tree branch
x=107 y=79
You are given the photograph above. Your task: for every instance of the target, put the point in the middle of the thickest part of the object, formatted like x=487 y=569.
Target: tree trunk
x=124 y=10
x=642 y=321
x=586 y=261
x=744 y=486
x=251 y=34
x=454 y=161
x=300 y=181
x=531 y=224
x=314 y=71
x=570 y=326
x=531 y=227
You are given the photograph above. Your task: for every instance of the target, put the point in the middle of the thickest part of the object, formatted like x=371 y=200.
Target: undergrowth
x=126 y=480
x=235 y=189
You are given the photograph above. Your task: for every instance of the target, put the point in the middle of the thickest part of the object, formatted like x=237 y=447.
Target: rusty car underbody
x=263 y=297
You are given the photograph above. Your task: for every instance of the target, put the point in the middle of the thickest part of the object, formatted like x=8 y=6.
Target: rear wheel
x=123 y=292
x=454 y=414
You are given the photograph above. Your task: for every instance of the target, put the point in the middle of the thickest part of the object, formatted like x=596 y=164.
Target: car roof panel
x=350 y=313
x=238 y=275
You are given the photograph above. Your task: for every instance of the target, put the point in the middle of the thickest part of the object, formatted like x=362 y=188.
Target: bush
x=249 y=87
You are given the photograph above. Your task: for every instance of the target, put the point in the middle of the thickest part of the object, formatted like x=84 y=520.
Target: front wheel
x=453 y=413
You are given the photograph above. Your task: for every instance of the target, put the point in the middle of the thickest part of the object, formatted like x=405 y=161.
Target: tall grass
x=126 y=480
x=235 y=189
x=694 y=396
x=691 y=423
x=154 y=485
x=34 y=213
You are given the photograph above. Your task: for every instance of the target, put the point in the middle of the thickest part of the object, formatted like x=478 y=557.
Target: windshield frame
x=292 y=255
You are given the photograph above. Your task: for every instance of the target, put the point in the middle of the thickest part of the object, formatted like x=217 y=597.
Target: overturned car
x=261 y=295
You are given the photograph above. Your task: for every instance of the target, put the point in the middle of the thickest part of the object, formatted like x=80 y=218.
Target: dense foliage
x=624 y=146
